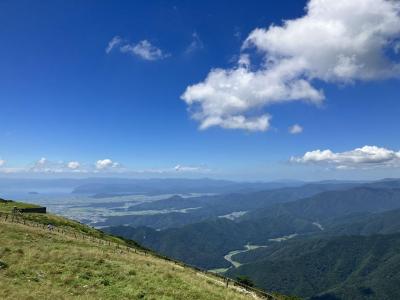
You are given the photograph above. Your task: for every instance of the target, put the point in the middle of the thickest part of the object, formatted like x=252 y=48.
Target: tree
x=245 y=280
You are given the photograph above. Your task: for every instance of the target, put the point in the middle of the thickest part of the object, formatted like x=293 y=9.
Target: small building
x=35 y=210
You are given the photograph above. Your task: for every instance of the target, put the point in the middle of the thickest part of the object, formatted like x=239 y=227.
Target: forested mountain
x=205 y=244
x=246 y=201
x=334 y=204
x=341 y=249
x=207 y=207
x=349 y=267
x=366 y=224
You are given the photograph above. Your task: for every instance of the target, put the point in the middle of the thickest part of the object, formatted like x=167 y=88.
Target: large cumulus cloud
x=337 y=41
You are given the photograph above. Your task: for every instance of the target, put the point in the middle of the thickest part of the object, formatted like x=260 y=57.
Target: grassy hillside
x=75 y=261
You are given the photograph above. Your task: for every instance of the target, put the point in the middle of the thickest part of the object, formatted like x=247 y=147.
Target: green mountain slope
x=334 y=204
x=207 y=207
x=205 y=243
x=366 y=224
x=349 y=267
x=76 y=261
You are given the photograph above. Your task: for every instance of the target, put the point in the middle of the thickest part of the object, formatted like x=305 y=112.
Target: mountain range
x=320 y=241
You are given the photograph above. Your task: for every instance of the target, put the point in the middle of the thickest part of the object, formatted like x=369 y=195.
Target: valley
x=298 y=228
x=252 y=233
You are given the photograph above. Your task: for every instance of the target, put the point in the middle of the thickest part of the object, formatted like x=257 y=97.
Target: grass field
x=36 y=263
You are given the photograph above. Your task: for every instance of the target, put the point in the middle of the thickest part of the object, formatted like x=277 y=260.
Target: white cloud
x=115 y=41
x=145 y=50
x=337 y=41
x=43 y=165
x=196 y=44
x=106 y=164
x=365 y=157
x=295 y=129
x=73 y=165
x=181 y=168
x=2 y=162
x=102 y=166
x=42 y=161
x=178 y=168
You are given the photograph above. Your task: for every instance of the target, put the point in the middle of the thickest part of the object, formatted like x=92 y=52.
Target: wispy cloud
x=237 y=33
x=196 y=44
x=115 y=42
x=145 y=50
x=335 y=42
x=142 y=49
x=193 y=169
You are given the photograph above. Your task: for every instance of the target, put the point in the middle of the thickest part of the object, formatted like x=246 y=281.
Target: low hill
x=70 y=260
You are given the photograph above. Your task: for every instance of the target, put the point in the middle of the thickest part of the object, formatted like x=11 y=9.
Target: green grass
x=7 y=206
x=62 y=223
x=38 y=264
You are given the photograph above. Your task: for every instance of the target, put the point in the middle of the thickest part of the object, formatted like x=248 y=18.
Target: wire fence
x=126 y=248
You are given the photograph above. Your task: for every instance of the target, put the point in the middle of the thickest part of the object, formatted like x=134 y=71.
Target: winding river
x=248 y=247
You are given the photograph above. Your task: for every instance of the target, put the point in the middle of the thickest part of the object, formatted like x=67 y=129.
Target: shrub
x=105 y=282
x=3 y=265
x=245 y=280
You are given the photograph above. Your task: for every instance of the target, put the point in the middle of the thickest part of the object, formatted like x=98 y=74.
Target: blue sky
x=72 y=104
